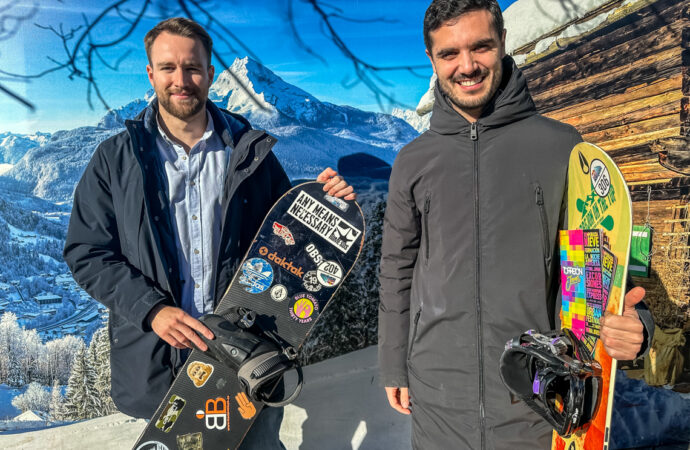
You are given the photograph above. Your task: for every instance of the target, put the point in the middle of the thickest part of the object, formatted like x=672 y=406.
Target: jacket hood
x=511 y=102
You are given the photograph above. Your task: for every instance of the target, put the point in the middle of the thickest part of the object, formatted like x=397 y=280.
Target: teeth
x=469 y=82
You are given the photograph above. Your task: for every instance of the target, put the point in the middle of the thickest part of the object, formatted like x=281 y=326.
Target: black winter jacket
x=120 y=243
x=468 y=248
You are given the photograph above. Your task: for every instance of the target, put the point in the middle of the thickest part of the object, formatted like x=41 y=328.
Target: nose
x=179 y=77
x=466 y=63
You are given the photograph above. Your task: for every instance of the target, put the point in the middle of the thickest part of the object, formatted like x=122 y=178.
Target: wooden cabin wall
x=625 y=87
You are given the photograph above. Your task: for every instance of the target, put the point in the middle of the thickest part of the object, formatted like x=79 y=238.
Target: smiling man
x=469 y=247
x=164 y=214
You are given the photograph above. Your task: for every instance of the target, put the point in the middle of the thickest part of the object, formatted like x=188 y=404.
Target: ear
x=149 y=72
x=431 y=59
x=503 y=43
x=211 y=72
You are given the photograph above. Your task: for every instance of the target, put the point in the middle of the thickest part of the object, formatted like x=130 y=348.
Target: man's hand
x=176 y=327
x=623 y=335
x=399 y=399
x=336 y=185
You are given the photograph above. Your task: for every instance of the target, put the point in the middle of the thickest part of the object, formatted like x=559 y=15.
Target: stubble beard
x=182 y=110
x=472 y=103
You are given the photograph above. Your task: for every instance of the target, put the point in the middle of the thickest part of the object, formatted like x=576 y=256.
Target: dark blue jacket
x=120 y=243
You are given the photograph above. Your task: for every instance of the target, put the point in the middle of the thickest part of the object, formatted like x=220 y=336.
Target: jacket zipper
x=474 y=136
x=414 y=332
x=427 y=205
x=539 y=193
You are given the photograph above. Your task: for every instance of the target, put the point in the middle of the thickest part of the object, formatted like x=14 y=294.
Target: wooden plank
x=632 y=93
x=638 y=139
x=614 y=80
x=632 y=129
x=609 y=55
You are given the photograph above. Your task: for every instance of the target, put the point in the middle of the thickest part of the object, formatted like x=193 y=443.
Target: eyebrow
x=480 y=43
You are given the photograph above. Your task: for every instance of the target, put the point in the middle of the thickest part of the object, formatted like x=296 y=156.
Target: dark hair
x=441 y=11
x=179 y=26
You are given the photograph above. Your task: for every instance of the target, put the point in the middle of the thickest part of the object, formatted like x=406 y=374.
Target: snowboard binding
x=259 y=359
x=554 y=374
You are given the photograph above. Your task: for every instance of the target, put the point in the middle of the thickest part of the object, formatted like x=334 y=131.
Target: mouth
x=470 y=84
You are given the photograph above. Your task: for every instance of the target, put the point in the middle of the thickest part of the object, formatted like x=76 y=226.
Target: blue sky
x=261 y=25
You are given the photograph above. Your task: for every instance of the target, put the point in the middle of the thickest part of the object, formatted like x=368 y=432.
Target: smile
x=471 y=82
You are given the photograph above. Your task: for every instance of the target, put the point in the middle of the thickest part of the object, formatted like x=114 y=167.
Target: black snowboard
x=305 y=247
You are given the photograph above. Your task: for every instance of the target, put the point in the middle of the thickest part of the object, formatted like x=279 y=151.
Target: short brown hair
x=179 y=26
x=441 y=11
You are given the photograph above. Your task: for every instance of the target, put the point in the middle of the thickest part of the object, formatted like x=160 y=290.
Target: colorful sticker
x=282 y=262
x=215 y=414
x=278 y=292
x=199 y=372
x=257 y=274
x=303 y=307
x=329 y=273
x=601 y=179
x=152 y=445
x=311 y=281
x=245 y=407
x=191 y=441
x=170 y=413
x=337 y=202
x=283 y=232
x=321 y=220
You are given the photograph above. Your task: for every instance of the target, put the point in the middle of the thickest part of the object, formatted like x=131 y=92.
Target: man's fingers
x=405 y=397
x=634 y=296
x=326 y=174
x=342 y=189
x=619 y=349
x=352 y=196
x=628 y=330
x=393 y=394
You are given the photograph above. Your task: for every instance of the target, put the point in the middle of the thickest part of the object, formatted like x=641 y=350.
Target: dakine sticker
x=322 y=221
x=311 y=281
x=278 y=292
x=215 y=414
x=337 y=202
x=329 y=273
x=191 y=441
x=152 y=445
x=199 y=372
x=303 y=308
x=282 y=262
x=283 y=232
x=257 y=274
x=601 y=179
x=170 y=413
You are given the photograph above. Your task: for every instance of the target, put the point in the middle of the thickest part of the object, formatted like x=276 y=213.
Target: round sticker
x=152 y=445
x=329 y=273
x=303 y=308
x=601 y=180
x=311 y=281
x=257 y=274
x=279 y=292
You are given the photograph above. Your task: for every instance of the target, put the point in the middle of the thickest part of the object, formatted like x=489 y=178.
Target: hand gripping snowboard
x=305 y=248
x=599 y=209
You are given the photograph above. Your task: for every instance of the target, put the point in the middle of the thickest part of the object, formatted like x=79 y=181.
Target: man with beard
x=469 y=246
x=164 y=214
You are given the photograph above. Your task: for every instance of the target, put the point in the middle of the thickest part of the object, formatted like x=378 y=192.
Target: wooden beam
x=638 y=139
x=633 y=129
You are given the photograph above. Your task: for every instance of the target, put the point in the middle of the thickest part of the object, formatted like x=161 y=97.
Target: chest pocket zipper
x=539 y=199
x=427 y=205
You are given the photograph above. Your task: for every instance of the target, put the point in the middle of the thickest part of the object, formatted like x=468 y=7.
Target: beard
x=472 y=102
x=184 y=109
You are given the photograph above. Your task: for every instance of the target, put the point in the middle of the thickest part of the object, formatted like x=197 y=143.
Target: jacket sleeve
x=93 y=251
x=399 y=249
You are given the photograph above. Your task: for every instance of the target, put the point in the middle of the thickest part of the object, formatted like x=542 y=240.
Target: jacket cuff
x=647 y=320
x=392 y=366
x=140 y=310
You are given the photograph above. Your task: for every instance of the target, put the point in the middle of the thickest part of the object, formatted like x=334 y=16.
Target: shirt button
x=196 y=285
x=194 y=217
x=193 y=183
x=196 y=251
x=155 y=218
x=184 y=158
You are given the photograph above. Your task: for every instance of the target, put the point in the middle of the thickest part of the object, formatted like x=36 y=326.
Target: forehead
x=172 y=47
x=464 y=30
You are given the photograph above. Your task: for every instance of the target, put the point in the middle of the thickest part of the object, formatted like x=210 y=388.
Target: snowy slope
x=14 y=146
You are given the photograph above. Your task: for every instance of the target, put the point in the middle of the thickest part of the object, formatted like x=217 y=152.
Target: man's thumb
x=634 y=296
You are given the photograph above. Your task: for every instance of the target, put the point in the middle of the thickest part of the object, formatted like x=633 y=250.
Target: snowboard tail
x=306 y=246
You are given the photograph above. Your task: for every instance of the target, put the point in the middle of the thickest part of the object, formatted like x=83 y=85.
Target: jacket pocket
x=425 y=231
x=413 y=337
x=543 y=219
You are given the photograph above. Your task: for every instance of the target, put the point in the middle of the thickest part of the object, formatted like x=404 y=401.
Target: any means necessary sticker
x=324 y=222
x=257 y=274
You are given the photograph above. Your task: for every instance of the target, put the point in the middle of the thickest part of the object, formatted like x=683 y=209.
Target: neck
x=472 y=115
x=185 y=132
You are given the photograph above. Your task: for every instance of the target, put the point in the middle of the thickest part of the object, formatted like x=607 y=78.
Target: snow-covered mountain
x=14 y=146
x=419 y=123
x=311 y=134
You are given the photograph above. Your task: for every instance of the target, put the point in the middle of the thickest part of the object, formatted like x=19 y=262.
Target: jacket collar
x=511 y=103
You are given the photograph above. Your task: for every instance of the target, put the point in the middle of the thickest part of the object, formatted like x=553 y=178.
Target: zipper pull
x=473 y=131
x=540 y=195
x=427 y=202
